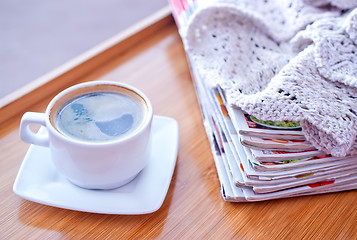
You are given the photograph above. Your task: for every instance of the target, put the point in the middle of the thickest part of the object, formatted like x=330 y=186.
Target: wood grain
x=193 y=208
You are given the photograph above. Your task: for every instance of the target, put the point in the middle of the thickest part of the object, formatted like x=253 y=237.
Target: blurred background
x=39 y=35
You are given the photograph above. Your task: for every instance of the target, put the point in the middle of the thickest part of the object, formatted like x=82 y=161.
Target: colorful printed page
x=276 y=156
x=246 y=126
x=307 y=181
x=300 y=162
x=293 y=172
x=275 y=144
x=283 y=183
x=340 y=184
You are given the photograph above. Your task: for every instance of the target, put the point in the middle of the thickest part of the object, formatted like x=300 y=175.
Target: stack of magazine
x=261 y=160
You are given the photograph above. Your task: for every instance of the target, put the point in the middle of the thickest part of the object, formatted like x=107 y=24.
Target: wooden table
x=151 y=57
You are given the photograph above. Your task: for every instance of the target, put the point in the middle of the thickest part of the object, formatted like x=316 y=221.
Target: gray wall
x=37 y=36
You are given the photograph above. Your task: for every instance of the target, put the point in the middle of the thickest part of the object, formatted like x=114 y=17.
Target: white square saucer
x=39 y=181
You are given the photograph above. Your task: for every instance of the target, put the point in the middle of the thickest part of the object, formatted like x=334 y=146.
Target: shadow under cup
x=104 y=164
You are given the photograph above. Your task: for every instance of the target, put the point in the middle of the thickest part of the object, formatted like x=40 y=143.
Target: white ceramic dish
x=39 y=181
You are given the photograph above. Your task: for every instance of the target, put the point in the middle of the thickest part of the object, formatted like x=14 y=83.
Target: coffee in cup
x=100 y=115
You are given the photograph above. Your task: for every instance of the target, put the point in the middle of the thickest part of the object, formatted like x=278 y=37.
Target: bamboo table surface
x=153 y=60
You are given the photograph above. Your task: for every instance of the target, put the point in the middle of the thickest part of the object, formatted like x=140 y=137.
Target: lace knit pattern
x=343 y=4
x=307 y=76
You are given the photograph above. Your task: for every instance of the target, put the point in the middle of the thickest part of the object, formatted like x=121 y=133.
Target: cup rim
x=79 y=142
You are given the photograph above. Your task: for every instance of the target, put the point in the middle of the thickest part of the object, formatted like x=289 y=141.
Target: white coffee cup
x=103 y=164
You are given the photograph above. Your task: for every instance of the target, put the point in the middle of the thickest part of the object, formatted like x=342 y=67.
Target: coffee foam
x=99 y=88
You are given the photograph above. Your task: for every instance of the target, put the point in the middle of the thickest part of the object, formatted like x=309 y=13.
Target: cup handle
x=25 y=132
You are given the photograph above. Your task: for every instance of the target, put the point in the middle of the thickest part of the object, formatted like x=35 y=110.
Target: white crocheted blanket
x=284 y=60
